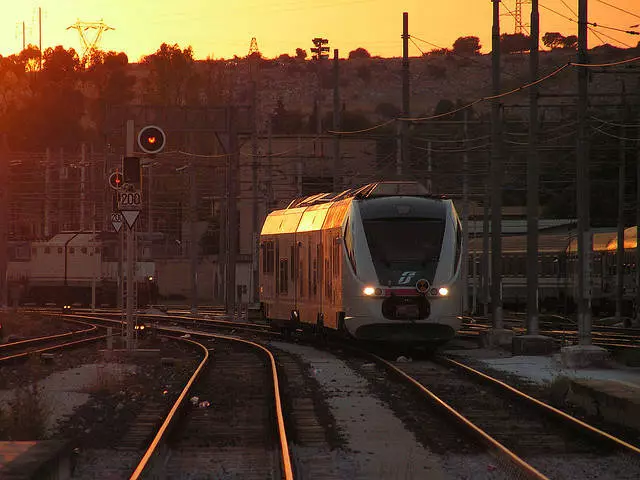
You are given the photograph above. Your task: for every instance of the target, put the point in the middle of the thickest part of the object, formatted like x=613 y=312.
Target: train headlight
x=443 y=291
x=368 y=291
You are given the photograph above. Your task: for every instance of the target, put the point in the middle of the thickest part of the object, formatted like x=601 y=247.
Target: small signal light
x=115 y=180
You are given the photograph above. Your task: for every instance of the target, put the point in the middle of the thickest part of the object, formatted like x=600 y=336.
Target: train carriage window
x=268 y=258
x=348 y=245
x=292 y=257
x=47 y=249
x=284 y=275
x=84 y=249
x=458 y=245
x=59 y=249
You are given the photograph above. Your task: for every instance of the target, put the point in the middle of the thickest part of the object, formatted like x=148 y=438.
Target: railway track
x=228 y=420
x=530 y=439
x=24 y=348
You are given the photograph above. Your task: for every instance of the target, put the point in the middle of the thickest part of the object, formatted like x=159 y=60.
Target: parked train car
x=62 y=269
x=380 y=263
x=557 y=271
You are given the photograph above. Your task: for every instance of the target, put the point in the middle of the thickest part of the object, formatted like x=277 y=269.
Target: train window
x=309 y=272
x=458 y=245
x=84 y=249
x=268 y=258
x=284 y=275
x=348 y=245
x=399 y=243
x=59 y=249
x=292 y=257
x=47 y=249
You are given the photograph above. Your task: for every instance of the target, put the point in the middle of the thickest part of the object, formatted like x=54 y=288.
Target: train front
x=404 y=282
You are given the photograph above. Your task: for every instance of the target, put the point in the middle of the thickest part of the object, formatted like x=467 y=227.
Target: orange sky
x=223 y=28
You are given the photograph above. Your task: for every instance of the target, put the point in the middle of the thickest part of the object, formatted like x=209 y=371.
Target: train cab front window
x=401 y=245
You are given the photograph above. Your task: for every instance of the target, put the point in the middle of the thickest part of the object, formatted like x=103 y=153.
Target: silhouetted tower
x=517 y=16
x=90 y=43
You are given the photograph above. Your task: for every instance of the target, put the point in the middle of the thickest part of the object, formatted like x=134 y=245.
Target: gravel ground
x=379 y=441
x=23 y=325
x=92 y=402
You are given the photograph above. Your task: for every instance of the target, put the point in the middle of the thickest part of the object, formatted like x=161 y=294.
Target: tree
x=553 y=40
x=359 y=53
x=467 y=46
x=570 y=42
x=283 y=121
x=301 y=54
x=514 y=43
x=170 y=71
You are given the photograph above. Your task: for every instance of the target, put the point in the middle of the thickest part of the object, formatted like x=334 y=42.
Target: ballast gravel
x=379 y=446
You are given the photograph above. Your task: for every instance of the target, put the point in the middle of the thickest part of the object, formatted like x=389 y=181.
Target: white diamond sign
x=116 y=221
x=130 y=216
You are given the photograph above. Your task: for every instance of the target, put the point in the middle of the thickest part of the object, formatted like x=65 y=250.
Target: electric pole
x=620 y=243
x=337 y=164
x=582 y=167
x=130 y=249
x=232 y=209
x=255 y=227
x=496 y=176
x=533 y=179
x=465 y=217
x=4 y=230
x=404 y=153
x=193 y=223
x=319 y=55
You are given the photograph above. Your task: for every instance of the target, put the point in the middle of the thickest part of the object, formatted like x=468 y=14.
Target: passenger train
x=378 y=263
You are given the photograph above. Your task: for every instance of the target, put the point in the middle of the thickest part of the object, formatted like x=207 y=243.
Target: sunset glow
x=219 y=28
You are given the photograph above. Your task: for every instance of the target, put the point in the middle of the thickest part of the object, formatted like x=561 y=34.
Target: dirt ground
x=23 y=325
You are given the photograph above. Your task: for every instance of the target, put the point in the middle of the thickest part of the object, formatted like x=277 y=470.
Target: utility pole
x=193 y=226
x=83 y=186
x=24 y=42
x=4 y=230
x=255 y=226
x=232 y=209
x=582 y=161
x=637 y=262
x=429 y=169
x=130 y=248
x=465 y=217
x=337 y=164
x=496 y=177
x=47 y=193
x=485 y=250
x=406 y=109
x=533 y=179
x=621 y=189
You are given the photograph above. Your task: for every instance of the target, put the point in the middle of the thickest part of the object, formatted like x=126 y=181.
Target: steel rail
x=500 y=451
x=172 y=413
x=49 y=337
x=284 y=445
x=53 y=347
x=548 y=408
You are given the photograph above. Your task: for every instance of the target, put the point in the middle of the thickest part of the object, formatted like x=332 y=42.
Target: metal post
x=337 y=164
x=637 y=261
x=620 y=246
x=582 y=161
x=130 y=251
x=533 y=180
x=232 y=212
x=83 y=186
x=4 y=230
x=47 y=194
x=193 y=243
x=429 y=169
x=255 y=227
x=406 y=94
x=465 y=217
x=485 y=252
x=496 y=177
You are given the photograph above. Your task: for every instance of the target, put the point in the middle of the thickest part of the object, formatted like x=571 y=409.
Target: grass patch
x=26 y=415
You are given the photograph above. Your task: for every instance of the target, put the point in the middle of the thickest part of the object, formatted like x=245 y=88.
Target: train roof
x=371 y=190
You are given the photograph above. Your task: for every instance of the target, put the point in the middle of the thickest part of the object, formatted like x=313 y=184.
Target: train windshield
x=404 y=250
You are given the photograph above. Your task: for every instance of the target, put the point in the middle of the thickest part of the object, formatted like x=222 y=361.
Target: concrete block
x=611 y=400
x=532 y=345
x=583 y=356
x=496 y=337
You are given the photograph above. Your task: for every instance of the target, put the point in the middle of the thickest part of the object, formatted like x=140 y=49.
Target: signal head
x=115 y=180
x=151 y=139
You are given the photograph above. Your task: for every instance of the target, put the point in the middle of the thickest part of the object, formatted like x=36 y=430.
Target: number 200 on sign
x=130 y=199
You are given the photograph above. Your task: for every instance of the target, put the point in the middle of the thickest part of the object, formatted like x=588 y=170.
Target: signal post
x=151 y=140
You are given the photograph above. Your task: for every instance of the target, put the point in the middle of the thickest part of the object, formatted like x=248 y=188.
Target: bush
x=27 y=415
